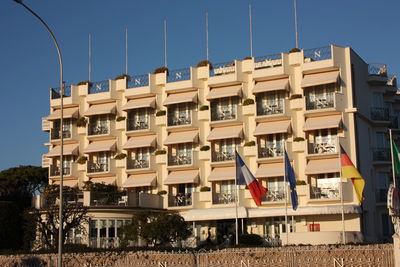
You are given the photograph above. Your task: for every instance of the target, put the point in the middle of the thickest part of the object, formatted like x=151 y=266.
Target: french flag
x=245 y=177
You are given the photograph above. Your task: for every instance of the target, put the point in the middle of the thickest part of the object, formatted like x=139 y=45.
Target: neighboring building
x=309 y=99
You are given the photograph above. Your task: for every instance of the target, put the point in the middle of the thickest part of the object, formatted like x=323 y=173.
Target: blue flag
x=289 y=177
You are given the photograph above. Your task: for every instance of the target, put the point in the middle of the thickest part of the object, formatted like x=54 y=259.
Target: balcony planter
x=81 y=167
x=295 y=58
x=204 y=155
x=249 y=151
x=296 y=103
x=161 y=158
x=161 y=75
x=302 y=190
x=247 y=194
x=203 y=115
x=120 y=123
x=205 y=196
x=299 y=146
x=247 y=65
x=248 y=110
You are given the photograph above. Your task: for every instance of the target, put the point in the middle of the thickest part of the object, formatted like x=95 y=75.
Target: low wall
x=319 y=238
x=368 y=255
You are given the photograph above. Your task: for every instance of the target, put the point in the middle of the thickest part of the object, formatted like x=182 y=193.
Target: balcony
x=138 y=124
x=326 y=189
x=99 y=87
x=222 y=156
x=56 y=170
x=225 y=73
x=137 y=164
x=267 y=66
x=223 y=198
x=138 y=81
x=70 y=96
x=274 y=195
x=270 y=151
x=183 y=118
x=180 y=79
x=99 y=92
x=377 y=73
x=108 y=199
x=326 y=145
x=275 y=108
x=181 y=158
x=318 y=58
x=97 y=167
x=327 y=104
x=55 y=134
x=180 y=200
x=379 y=114
x=381 y=154
x=56 y=94
x=223 y=113
x=95 y=129
x=320 y=103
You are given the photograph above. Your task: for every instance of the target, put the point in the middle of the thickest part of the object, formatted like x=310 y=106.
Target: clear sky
x=29 y=63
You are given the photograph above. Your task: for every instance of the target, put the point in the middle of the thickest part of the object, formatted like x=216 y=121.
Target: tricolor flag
x=396 y=159
x=350 y=172
x=245 y=177
x=290 y=177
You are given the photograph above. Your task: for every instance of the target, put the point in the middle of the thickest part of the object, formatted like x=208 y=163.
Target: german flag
x=350 y=172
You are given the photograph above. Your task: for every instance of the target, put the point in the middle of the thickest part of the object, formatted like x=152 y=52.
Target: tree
x=157 y=228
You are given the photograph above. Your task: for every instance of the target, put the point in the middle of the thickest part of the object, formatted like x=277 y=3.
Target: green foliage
x=298 y=139
x=205 y=63
x=160 y=152
x=300 y=182
x=120 y=118
x=204 y=148
x=52 y=192
x=250 y=240
x=161 y=113
x=89 y=83
x=162 y=192
x=120 y=156
x=294 y=50
x=10 y=236
x=122 y=76
x=248 y=101
x=250 y=143
x=81 y=122
x=157 y=228
x=205 y=189
x=99 y=187
x=161 y=70
x=81 y=160
x=295 y=96
x=204 y=107
x=246 y=58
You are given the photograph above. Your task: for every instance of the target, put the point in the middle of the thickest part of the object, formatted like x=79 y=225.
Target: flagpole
x=251 y=32
x=207 y=35
x=391 y=154
x=126 y=50
x=236 y=201
x=286 y=194
x=341 y=192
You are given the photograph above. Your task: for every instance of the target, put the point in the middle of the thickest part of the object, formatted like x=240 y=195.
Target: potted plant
x=298 y=144
x=204 y=113
x=205 y=193
x=81 y=160
x=81 y=122
x=120 y=156
x=296 y=101
x=120 y=118
x=204 y=154
x=160 y=117
x=161 y=157
x=248 y=106
x=249 y=149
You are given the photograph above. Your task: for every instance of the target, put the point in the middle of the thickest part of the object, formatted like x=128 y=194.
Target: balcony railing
x=381 y=154
x=180 y=200
x=274 y=195
x=377 y=69
x=320 y=103
x=269 y=61
x=97 y=129
x=223 y=113
x=138 y=81
x=380 y=114
x=178 y=75
x=223 y=68
x=181 y=158
x=56 y=170
x=179 y=119
x=222 y=156
x=270 y=151
x=137 y=124
x=95 y=167
x=55 y=92
x=106 y=198
x=134 y=164
x=316 y=54
x=326 y=146
x=99 y=87
x=55 y=134
x=104 y=242
x=328 y=189
x=223 y=198
x=272 y=108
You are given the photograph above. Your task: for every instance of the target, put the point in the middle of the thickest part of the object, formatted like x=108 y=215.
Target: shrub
x=161 y=70
x=81 y=122
x=248 y=101
x=120 y=118
x=296 y=96
x=82 y=160
x=298 y=139
x=122 y=76
x=160 y=152
x=204 y=148
x=205 y=63
x=294 y=50
x=250 y=143
x=246 y=58
x=120 y=156
x=204 y=107
x=162 y=192
x=250 y=240
x=161 y=113
x=205 y=189
x=300 y=182
x=89 y=83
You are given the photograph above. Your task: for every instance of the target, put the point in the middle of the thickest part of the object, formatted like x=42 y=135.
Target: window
x=139 y=158
x=224 y=149
x=138 y=119
x=224 y=108
x=314 y=227
x=271 y=145
x=323 y=141
x=321 y=96
x=270 y=103
x=98 y=125
x=325 y=186
x=383 y=186
x=180 y=195
x=180 y=114
x=180 y=154
x=224 y=192
x=276 y=189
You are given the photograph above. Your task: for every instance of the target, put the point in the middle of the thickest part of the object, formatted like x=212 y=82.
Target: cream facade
x=179 y=132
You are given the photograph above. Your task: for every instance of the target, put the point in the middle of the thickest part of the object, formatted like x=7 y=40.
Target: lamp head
x=18 y=1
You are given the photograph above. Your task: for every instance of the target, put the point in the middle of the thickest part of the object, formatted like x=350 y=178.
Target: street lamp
x=61 y=126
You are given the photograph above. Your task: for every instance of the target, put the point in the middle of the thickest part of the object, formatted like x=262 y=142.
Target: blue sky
x=29 y=64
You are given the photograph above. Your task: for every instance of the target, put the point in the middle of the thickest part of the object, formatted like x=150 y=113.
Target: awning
x=182 y=177
x=273 y=85
x=270 y=170
x=220 y=92
x=320 y=78
x=68 y=149
x=97 y=146
x=67 y=113
x=148 y=179
x=181 y=98
x=309 y=210
x=70 y=183
x=182 y=137
x=226 y=132
x=316 y=166
x=214 y=214
x=148 y=102
x=141 y=141
x=104 y=180
x=324 y=122
x=272 y=127
x=222 y=174
x=98 y=109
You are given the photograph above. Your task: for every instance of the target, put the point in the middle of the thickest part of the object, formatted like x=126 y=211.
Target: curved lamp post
x=61 y=126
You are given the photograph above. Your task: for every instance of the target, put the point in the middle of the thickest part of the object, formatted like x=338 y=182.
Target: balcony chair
x=123 y=200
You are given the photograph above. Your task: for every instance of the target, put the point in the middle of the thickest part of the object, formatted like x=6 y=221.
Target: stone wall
x=368 y=255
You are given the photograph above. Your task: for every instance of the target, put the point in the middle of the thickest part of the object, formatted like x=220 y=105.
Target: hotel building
x=179 y=131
